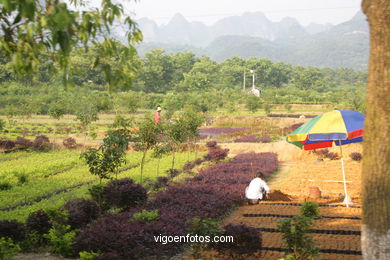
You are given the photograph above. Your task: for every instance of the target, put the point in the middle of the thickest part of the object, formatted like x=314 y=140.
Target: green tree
x=146 y=138
x=51 y=30
x=202 y=76
x=156 y=72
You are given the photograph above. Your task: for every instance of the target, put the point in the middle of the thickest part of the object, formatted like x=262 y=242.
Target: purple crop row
x=290 y=116
x=253 y=139
x=209 y=195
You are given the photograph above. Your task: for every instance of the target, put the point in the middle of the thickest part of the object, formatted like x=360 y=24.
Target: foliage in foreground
x=298 y=243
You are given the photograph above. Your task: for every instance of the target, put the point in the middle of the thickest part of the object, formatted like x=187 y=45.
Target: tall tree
x=376 y=164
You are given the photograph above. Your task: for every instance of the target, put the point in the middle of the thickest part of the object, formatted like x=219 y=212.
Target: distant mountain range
x=253 y=35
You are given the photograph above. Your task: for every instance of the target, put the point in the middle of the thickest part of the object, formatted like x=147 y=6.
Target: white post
x=253 y=83
x=346 y=198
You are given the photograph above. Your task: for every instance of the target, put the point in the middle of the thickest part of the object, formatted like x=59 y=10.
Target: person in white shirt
x=254 y=191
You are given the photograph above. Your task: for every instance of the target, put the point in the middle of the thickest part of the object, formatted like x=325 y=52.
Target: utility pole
x=253 y=79
x=243 y=86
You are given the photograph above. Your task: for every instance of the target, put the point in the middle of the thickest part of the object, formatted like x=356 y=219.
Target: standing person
x=254 y=192
x=157 y=116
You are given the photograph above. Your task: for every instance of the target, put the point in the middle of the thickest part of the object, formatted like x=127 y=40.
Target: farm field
x=32 y=180
x=52 y=178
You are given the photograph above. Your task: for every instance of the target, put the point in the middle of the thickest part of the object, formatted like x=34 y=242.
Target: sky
x=209 y=11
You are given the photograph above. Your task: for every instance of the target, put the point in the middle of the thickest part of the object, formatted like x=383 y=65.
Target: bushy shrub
x=97 y=193
x=321 y=152
x=173 y=173
x=61 y=239
x=69 y=143
x=22 y=177
x=297 y=242
x=211 y=144
x=161 y=182
x=88 y=255
x=198 y=161
x=310 y=209
x=23 y=143
x=7 y=144
x=246 y=240
x=124 y=193
x=146 y=215
x=38 y=221
x=216 y=154
x=7 y=248
x=41 y=143
x=5 y=185
x=356 y=156
x=332 y=156
x=203 y=227
x=12 y=229
x=81 y=212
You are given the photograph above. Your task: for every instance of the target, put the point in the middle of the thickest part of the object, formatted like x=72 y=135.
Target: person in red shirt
x=157 y=116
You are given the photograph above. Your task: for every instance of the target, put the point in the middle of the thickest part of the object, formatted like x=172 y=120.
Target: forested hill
x=253 y=35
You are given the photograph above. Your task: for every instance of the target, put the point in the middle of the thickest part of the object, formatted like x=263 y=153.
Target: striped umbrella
x=337 y=127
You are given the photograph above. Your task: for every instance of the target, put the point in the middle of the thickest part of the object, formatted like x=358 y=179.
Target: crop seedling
x=8 y=249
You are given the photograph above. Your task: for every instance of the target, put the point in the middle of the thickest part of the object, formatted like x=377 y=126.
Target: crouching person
x=257 y=189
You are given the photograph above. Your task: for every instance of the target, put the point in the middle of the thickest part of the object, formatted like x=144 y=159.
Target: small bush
x=7 y=144
x=161 y=182
x=203 y=227
x=322 y=152
x=173 y=173
x=310 y=209
x=146 y=215
x=88 y=255
x=247 y=240
x=356 y=156
x=211 y=144
x=124 y=193
x=38 y=221
x=5 y=185
x=22 y=178
x=332 y=156
x=81 y=212
x=70 y=143
x=23 y=143
x=41 y=143
x=216 y=154
x=12 y=229
x=7 y=248
x=298 y=244
x=98 y=195
x=61 y=239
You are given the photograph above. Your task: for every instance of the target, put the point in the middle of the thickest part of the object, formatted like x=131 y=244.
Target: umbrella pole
x=346 y=198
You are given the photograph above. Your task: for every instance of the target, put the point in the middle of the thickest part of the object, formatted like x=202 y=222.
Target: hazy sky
x=209 y=11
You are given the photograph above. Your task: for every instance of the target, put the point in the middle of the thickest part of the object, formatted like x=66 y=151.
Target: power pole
x=243 y=86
